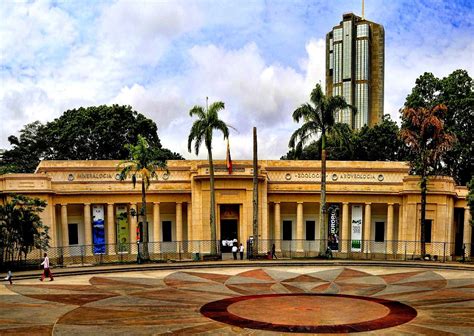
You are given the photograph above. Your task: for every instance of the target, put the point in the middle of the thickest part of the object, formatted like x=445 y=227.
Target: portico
x=372 y=206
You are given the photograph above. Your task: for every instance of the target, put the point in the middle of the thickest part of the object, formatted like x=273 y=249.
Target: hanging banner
x=333 y=226
x=123 y=228
x=356 y=228
x=98 y=230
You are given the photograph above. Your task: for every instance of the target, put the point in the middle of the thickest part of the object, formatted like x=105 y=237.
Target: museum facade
x=372 y=206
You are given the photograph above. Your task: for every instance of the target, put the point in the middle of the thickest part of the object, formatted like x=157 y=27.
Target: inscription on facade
x=341 y=177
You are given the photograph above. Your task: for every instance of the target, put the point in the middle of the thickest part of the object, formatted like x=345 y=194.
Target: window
x=428 y=224
x=310 y=230
x=73 y=234
x=363 y=30
x=347 y=51
x=379 y=231
x=166 y=225
x=337 y=34
x=287 y=230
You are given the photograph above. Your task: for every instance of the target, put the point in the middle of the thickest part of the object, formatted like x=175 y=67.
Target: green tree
x=318 y=120
x=470 y=199
x=424 y=133
x=92 y=133
x=21 y=228
x=381 y=142
x=456 y=92
x=201 y=131
x=143 y=163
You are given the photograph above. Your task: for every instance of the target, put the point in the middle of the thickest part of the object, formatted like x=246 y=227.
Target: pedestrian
x=47 y=270
x=234 y=251
x=9 y=277
x=241 y=250
x=274 y=252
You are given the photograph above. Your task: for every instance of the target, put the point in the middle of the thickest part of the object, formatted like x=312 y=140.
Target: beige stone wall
x=383 y=189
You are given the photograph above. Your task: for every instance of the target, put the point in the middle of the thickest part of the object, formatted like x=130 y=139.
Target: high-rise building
x=355 y=60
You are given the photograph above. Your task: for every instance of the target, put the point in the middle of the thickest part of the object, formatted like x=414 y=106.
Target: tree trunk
x=213 y=202
x=255 y=195
x=144 y=223
x=423 y=185
x=322 y=210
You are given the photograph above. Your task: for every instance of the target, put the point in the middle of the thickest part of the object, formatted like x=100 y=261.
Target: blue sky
x=262 y=58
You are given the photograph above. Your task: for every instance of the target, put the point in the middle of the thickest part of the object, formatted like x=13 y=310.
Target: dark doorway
x=73 y=234
x=379 y=231
x=310 y=230
x=287 y=230
x=229 y=234
x=459 y=227
x=166 y=226
x=428 y=224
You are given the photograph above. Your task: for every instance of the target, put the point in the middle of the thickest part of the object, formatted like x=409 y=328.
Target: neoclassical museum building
x=374 y=207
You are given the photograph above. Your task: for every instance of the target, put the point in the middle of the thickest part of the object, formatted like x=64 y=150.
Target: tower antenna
x=363 y=16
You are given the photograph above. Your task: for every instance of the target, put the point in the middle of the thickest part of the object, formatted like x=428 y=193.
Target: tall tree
x=143 y=163
x=427 y=139
x=456 y=92
x=92 y=133
x=201 y=131
x=21 y=228
x=318 y=120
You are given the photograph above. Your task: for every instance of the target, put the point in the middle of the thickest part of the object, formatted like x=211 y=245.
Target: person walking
x=273 y=252
x=241 y=250
x=9 y=277
x=47 y=270
x=234 y=251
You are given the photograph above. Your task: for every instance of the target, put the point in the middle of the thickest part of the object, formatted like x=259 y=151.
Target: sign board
x=123 y=228
x=356 y=228
x=98 y=229
x=333 y=226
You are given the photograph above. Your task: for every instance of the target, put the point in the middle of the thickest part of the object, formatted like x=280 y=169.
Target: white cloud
x=255 y=93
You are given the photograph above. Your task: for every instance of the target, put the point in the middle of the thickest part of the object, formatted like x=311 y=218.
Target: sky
x=261 y=58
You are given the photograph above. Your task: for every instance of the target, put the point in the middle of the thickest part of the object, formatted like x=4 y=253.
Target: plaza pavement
x=243 y=297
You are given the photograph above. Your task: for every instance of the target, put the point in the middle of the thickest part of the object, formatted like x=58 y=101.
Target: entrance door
x=229 y=234
x=73 y=237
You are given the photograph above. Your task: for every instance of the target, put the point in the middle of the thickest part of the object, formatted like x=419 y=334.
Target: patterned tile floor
x=249 y=301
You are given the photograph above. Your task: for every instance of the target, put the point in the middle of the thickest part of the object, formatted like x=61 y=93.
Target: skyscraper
x=355 y=57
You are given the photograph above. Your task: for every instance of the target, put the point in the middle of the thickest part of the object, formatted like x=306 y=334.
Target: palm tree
x=202 y=129
x=143 y=164
x=424 y=133
x=318 y=120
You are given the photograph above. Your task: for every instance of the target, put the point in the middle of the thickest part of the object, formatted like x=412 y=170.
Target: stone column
x=111 y=228
x=156 y=227
x=401 y=232
x=345 y=228
x=390 y=243
x=299 y=227
x=179 y=225
x=467 y=234
x=64 y=225
x=190 y=225
x=87 y=228
x=277 y=231
x=367 y=224
x=133 y=225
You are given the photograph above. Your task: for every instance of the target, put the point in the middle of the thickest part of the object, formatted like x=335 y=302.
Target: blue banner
x=98 y=229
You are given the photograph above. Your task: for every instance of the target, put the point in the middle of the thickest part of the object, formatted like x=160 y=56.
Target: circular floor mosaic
x=324 y=299
x=309 y=313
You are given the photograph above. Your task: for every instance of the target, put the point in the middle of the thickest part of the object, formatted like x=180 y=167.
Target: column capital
x=368 y=203
x=345 y=203
x=133 y=203
x=86 y=204
x=179 y=202
x=156 y=203
x=64 y=204
x=108 y=203
x=300 y=202
x=276 y=202
x=391 y=204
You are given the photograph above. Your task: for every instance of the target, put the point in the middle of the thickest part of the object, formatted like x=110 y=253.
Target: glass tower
x=355 y=69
